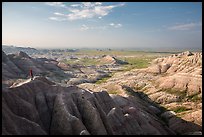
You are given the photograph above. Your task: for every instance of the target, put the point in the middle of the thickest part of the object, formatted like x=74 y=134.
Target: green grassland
x=136 y=62
x=136 y=59
x=94 y=52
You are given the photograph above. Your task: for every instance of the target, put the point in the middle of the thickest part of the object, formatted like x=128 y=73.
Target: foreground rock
x=41 y=107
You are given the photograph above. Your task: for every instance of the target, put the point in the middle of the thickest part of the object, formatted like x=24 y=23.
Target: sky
x=124 y=25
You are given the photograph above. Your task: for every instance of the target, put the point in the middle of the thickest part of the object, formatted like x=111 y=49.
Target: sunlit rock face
x=173 y=81
x=183 y=72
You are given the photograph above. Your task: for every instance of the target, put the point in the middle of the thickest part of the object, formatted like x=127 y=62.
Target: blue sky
x=135 y=25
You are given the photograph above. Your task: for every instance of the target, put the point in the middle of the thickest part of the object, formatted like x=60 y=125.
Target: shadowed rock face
x=9 y=69
x=41 y=107
x=18 y=65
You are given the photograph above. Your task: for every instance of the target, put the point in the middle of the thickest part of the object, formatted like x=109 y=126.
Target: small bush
x=180 y=109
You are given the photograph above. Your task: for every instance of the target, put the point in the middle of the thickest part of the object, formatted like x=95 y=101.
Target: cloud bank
x=84 y=10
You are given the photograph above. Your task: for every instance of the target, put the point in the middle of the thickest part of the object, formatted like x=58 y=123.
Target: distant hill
x=13 y=50
x=111 y=60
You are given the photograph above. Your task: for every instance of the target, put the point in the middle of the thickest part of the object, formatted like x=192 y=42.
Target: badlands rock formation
x=184 y=72
x=12 y=49
x=175 y=82
x=17 y=66
x=107 y=59
x=43 y=107
x=40 y=107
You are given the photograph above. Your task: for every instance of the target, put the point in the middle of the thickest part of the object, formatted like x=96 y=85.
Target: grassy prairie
x=93 y=52
x=136 y=62
x=136 y=59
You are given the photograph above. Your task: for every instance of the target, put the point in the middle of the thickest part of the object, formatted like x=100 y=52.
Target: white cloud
x=56 y=18
x=90 y=10
x=53 y=18
x=75 y=5
x=118 y=25
x=108 y=26
x=86 y=10
x=56 y=4
x=187 y=26
x=115 y=25
x=111 y=24
x=59 y=14
x=84 y=27
x=98 y=3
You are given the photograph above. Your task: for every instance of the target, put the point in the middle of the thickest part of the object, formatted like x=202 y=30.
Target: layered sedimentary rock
x=183 y=71
x=18 y=66
x=41 y=107
x=175 y=82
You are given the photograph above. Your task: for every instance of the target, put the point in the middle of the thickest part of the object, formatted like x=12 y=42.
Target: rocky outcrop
x=107 y=59
x=15 y=66
x=13 y=50
x=183 y=72
x=23 y=55
x=63 y=66
x=9 y=69
x=174 y=81
x=41 y=107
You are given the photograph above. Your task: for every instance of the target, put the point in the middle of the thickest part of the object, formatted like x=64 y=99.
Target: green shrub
x=180 y=109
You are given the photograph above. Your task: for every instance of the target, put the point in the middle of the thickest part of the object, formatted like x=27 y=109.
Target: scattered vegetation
x=139 y=88
x=136 y=59
x=180 y=109
x=181 y=94
x=114 y=92
x=103 y=80
x=136 y=62
x=195 y=98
